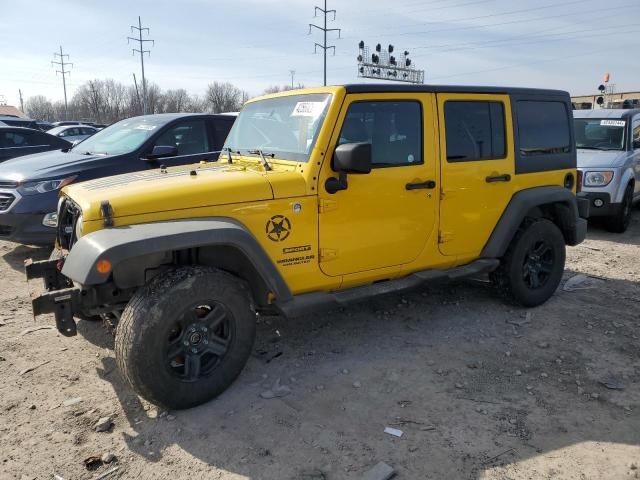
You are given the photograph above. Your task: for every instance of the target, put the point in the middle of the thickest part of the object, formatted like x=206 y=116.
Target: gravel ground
x=480 y=389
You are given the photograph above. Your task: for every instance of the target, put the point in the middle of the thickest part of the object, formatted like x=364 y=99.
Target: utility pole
x=21 y=101
x=293 y=74
x=141 y=51
x=64 y=73
x=324 y=30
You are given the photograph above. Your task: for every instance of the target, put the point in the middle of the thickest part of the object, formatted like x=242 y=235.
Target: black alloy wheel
x=199 y=340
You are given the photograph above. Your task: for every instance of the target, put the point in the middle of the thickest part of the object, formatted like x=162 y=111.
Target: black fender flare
x=130 y=244
x=522 y=203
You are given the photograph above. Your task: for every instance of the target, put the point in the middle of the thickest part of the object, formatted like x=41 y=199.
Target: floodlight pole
x=324 y=30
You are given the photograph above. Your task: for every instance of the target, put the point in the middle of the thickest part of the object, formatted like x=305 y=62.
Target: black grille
x=68 y=213
x=6 y=200
x=8 y=184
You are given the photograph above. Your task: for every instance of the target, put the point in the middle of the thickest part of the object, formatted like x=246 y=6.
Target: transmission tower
x=324 y=30
x=64 y=73
x=141 y=51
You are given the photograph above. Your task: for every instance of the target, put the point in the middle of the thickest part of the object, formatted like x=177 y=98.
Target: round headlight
x=79 y=227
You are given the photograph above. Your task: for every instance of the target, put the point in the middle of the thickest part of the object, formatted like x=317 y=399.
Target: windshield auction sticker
x=146 y=127
x=612 y=123
x=308 y=109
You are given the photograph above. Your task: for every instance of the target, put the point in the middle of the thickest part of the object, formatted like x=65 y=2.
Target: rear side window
x=543 y=128
x=474 y=130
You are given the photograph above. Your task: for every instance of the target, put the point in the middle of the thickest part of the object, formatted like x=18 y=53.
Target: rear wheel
x=185 y=336
x=619 y=222
x=532 y=268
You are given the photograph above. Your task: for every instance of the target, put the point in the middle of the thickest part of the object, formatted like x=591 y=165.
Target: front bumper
x=600 y=204
x=26 y=228
x=61 y=298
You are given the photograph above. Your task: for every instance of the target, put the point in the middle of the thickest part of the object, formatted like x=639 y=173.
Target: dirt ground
x=480 y=389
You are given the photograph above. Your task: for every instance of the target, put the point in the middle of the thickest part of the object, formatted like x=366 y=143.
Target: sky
x=566 y=44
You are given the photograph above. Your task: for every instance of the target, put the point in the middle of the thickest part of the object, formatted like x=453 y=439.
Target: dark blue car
x=29 y=185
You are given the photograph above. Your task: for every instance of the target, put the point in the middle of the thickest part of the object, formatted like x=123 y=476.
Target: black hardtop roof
x=393 y=87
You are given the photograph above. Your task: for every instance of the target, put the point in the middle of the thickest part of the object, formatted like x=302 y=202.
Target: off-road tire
x=512 y=277
x=149 y=319
x=619 y=221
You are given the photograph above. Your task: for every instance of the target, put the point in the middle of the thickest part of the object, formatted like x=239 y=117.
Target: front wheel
x=532 y=268
x=619 y=222
x=185 y=336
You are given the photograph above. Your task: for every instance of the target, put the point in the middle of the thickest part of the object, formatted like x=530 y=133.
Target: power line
x=64 y=74
x=324 y=30
x=141 y=51
x=293 y=74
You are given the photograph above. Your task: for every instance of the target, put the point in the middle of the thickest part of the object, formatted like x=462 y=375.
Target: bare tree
x=279 y=88
x=175 y=101
x=40 y=108
x=224 y=97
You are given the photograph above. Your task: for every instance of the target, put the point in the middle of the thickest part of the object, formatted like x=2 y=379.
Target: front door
x=477 y=169
x=191 y=139
x=383 y=218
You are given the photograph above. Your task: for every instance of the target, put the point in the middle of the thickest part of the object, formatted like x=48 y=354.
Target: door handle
x=429 y=184
x=498 y=178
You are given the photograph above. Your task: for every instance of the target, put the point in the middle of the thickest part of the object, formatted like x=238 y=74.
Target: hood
x=153 y=191
x=601 y=158
x=52 y=164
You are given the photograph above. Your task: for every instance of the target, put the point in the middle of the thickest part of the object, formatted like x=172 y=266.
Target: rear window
x=474 y=130
x=543 y=128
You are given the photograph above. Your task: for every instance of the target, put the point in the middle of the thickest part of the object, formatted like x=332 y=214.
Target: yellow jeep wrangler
x=320 y=198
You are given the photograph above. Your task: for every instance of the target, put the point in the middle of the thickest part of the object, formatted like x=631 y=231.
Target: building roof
x=11 y=111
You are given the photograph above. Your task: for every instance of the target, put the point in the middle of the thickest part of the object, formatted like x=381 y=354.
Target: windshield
x=285 y=127
x=599 y=133
x=124 y=136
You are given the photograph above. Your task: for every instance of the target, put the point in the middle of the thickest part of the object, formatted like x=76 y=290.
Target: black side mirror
x=161 y=151
x=352 y=158
x=348 y=158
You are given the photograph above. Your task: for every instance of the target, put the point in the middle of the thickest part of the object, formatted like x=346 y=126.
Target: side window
x=188 y=137
x=474 y=130
x=69 y=132
x=635 y=134
x=14 y=139
x=543 y=128
x=393 y=128
x=221 y=129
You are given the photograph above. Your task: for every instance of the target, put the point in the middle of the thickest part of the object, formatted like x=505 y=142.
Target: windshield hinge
x=106 y=211
x=326 y=205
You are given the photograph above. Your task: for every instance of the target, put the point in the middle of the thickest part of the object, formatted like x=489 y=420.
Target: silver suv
x=608 y=143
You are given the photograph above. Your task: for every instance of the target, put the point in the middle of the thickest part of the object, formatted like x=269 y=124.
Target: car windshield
x=282 y=127
x=124 y=136
x=600 y=133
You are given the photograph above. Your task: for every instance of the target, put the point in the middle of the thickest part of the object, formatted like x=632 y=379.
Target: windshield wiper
x=228 y=150
x=263 y=156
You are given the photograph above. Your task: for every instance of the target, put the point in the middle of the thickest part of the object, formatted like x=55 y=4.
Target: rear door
x=477 y=168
